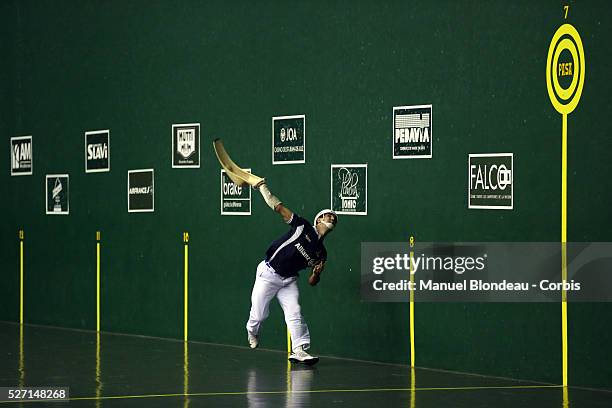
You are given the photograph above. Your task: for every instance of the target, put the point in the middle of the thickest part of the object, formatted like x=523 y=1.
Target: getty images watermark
x=486 y=272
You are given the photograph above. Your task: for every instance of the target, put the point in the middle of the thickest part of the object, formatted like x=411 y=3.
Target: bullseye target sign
x=565 y=69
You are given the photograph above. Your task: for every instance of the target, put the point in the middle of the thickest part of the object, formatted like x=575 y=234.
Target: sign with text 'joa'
x=289 y=139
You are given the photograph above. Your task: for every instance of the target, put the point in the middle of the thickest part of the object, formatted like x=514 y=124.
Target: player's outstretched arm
x=273 y=202
x=284 y=212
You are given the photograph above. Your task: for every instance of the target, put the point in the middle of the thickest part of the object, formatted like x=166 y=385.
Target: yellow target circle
x=565 y=100
x=565 y=44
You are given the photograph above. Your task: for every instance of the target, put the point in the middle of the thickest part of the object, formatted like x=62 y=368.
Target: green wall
x=138 y=67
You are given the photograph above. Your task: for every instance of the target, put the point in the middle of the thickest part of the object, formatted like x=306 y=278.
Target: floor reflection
x=298 y=383
x=99 y=384
x=21 y=358
x=186 y=374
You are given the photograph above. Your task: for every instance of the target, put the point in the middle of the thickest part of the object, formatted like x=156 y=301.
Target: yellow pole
x=21 y=237
x=98 y=281
x=564 y=247
x=412 y=352
x=186 y=285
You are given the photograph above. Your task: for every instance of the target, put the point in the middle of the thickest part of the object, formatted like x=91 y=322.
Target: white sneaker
x=299 y=355
x=253 y=340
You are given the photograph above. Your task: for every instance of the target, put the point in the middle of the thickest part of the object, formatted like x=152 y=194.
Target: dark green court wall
x=137 y=67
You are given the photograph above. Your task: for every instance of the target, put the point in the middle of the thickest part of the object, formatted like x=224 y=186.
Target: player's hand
x=318 y=268
x=313 y=279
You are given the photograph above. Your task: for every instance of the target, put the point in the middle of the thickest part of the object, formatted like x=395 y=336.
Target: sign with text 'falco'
x=491 y=181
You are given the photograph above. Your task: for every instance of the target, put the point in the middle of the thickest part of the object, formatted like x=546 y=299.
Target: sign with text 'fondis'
x=289 y=139
x=349 y=189
x=235 y=199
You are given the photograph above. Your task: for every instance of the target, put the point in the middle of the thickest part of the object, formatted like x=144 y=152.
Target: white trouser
x=267 y=285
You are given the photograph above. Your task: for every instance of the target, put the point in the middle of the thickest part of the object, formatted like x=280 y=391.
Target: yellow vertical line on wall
x=97 y=281
x=21 y=237
x=186 y=286
x=564 y=248
x=288 y=341
x=412 y=351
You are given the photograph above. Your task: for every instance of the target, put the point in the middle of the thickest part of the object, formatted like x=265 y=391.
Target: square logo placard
x=412 y=132
x=349 y=189
x=186 y=145
x=57 y=191
x=289 y=139
x=235 y=199
x=140 y=191
x=491 y=181
x=21 y=156
x=97 y=151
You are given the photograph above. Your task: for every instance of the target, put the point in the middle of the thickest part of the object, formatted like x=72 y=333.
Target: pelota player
x=277 y=275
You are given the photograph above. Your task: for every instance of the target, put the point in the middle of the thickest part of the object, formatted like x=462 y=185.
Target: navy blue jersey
x=297 y=249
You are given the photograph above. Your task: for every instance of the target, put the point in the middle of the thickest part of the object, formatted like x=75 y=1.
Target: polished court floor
x=110 y=370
